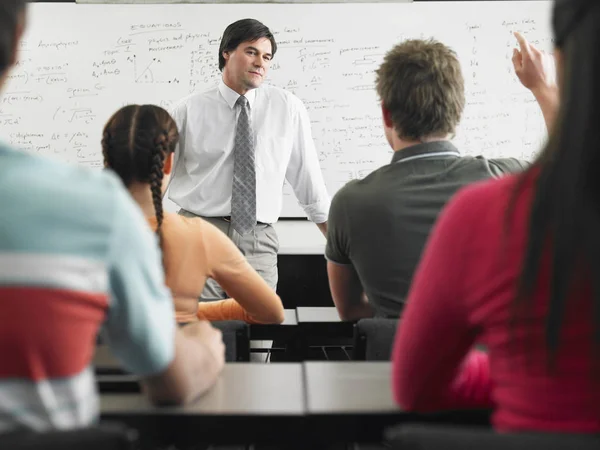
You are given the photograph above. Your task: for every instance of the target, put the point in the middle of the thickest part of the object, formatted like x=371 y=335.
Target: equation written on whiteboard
x=66 y=84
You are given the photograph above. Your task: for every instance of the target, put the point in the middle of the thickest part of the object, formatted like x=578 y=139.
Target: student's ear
x=168 y=167
x=387 y=117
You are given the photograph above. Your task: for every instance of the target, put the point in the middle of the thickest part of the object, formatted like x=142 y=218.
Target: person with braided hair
x=138 y=144
x=77 y=258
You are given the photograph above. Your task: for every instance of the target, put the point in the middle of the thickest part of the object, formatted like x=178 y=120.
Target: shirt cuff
x=317 y=212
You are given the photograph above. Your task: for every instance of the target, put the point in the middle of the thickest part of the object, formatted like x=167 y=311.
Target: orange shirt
x=194 y=250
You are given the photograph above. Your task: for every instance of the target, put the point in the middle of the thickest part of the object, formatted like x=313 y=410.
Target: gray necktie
x=243 y=192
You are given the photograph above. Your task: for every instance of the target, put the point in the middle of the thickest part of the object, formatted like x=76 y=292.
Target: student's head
x=245 y=54
x=12 y=25
x=421 y=87
x=565 y=209
x=138 y=144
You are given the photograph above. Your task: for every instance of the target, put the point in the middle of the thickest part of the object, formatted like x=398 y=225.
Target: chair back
x=236 y=337
x=374 y=339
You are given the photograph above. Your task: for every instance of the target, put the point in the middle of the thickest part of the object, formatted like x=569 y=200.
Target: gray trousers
x=259 y=247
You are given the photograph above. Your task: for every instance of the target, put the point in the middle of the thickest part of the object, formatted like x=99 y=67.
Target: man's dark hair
x=10 y=11
x=243 y=31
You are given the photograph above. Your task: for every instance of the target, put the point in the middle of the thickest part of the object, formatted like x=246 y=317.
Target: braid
x=156 y=178
x=106 y=144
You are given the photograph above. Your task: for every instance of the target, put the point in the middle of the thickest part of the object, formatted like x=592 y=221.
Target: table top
x=290 y=317
x=317 y=314
x=242 y=389
x=349 y=387
x=275 y=331
x=303 y=404
x=289 y=320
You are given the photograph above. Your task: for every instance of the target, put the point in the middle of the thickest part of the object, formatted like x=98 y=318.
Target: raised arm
x=534 y=69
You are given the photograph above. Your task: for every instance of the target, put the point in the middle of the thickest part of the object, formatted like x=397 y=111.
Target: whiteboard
x=80 y=63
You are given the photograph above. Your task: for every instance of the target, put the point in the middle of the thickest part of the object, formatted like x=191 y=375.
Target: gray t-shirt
x=381 y=223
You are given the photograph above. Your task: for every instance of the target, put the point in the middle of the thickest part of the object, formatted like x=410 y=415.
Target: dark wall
x=303 y=281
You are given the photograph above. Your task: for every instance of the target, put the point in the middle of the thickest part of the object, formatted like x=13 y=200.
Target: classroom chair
x=374 y=339
x=436 y=437
x=236 y=337
x=108 y=436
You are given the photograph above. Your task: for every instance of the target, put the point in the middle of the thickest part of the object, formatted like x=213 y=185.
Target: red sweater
x=462 y=294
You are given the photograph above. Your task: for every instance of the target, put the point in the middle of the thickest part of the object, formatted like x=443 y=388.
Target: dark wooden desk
x=350 y=401
x=259 y=403
x=349 y=387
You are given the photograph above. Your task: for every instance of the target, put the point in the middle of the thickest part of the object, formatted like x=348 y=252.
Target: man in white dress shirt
x=239 y=142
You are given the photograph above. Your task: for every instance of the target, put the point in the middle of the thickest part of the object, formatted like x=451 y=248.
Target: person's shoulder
x=357 y=193
x=50 y=176
x=57 y=192
x=197 y=227
x=197 y=99
x=347 y=196
x=93 y=192
x=274 y=93
x=189 y=222
x=349 y=190
x=500 y=166
x=485 y=194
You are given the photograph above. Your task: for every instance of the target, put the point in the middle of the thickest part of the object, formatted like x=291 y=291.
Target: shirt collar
x=426 y=150
x=231 y=97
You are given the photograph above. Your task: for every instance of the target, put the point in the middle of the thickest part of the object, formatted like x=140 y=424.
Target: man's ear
x=168 y=167
x=387 y=117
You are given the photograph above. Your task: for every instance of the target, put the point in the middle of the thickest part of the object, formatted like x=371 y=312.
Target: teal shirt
x=64 y=211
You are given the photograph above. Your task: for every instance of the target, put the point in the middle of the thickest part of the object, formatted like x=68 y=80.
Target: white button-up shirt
x=284 y=148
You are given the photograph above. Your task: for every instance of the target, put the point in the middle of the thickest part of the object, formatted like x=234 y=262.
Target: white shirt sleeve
x=304 y=171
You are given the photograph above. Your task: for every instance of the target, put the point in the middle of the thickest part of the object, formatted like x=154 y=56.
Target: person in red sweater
x=514 y=264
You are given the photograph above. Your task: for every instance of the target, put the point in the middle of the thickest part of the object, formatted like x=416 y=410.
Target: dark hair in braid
x=136 y=141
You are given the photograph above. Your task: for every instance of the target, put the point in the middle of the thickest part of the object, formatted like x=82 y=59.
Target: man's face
x=247 y=66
